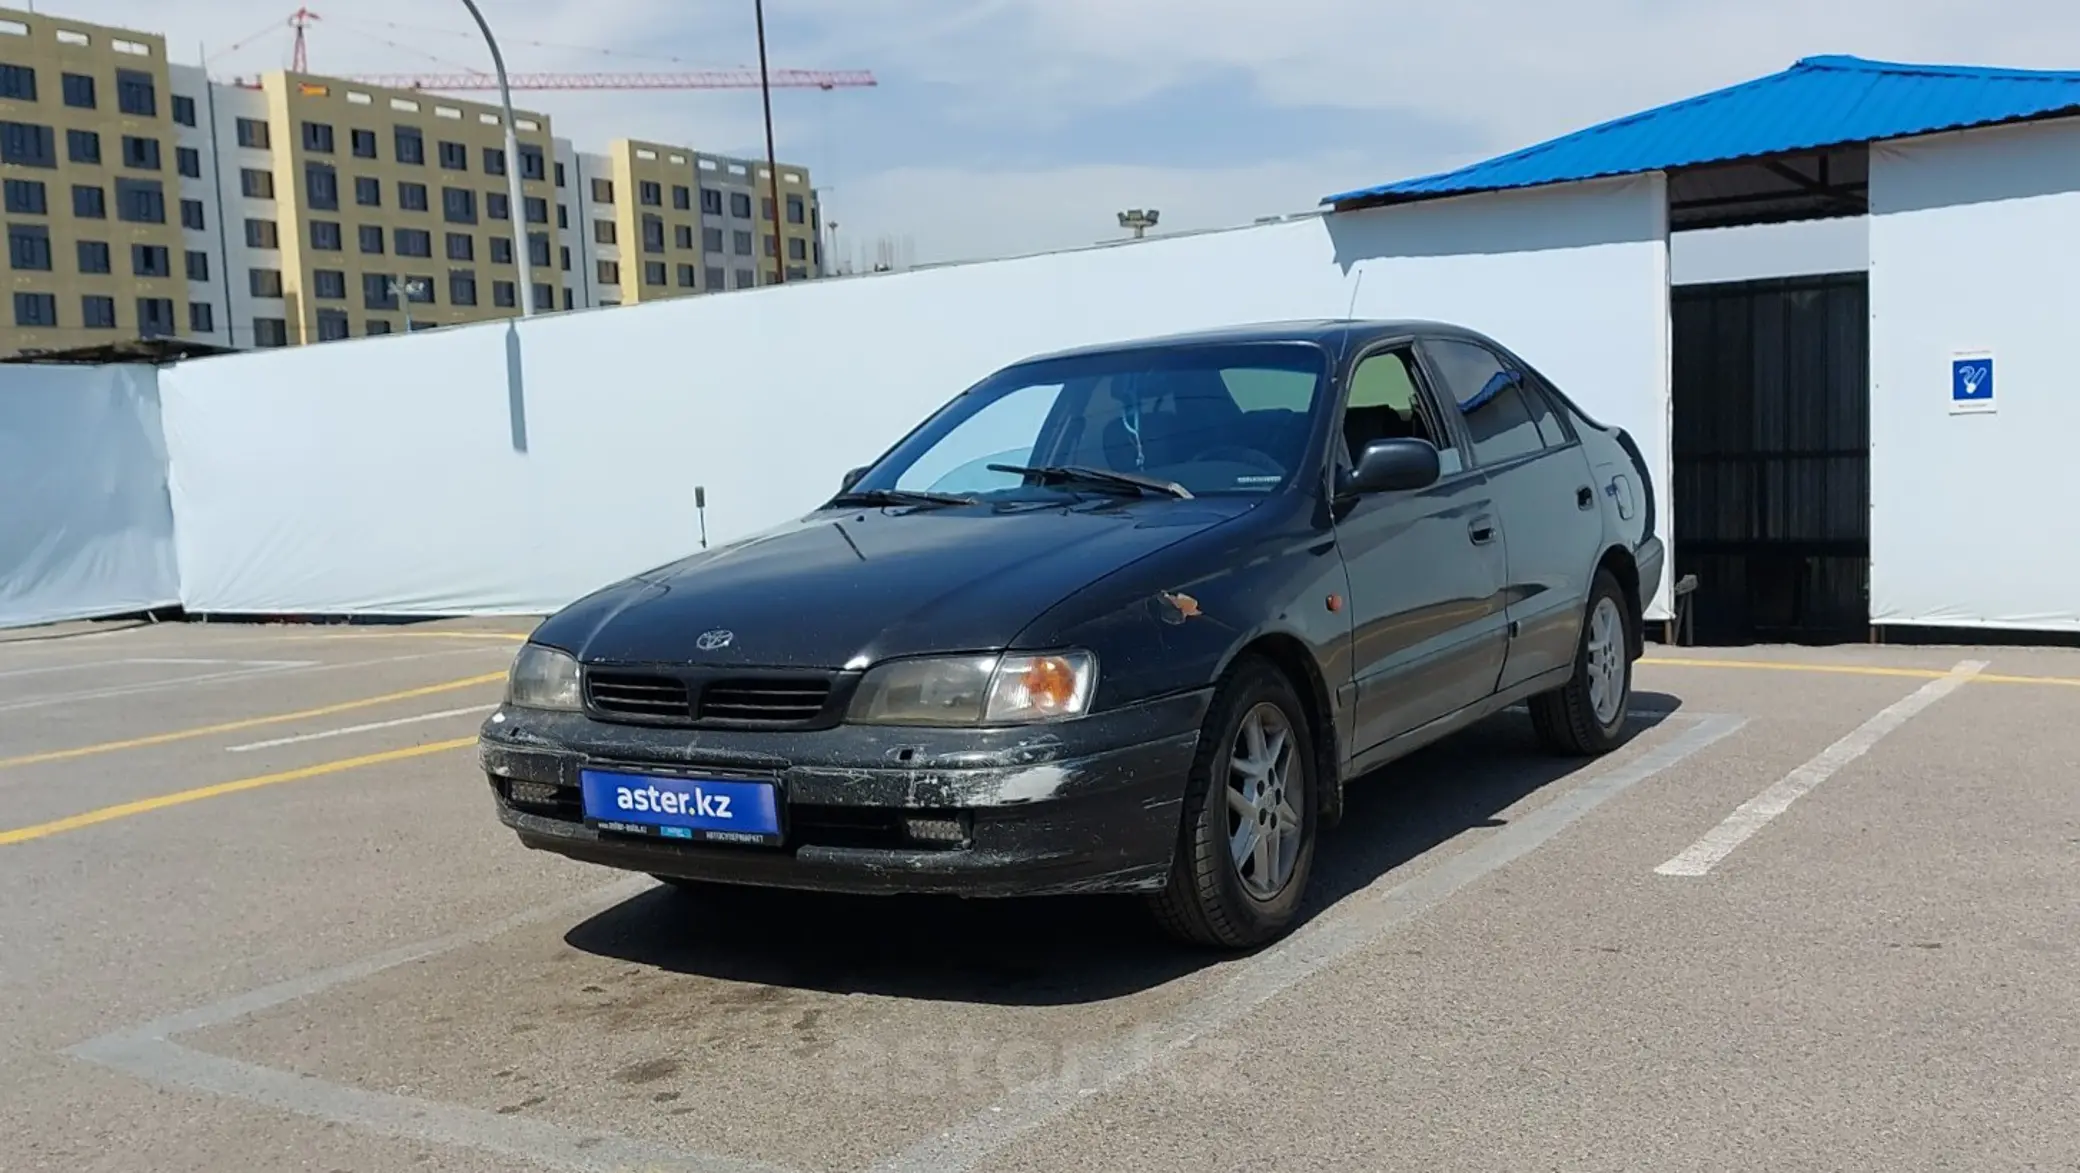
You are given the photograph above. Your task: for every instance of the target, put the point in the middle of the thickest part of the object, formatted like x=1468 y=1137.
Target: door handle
x=1481 y=529
x=1584 y=497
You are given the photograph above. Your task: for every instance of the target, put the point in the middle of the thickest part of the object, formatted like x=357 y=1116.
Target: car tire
x=1586 y=716
x=1210 y=899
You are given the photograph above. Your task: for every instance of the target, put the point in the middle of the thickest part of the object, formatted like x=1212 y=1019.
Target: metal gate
x=1771 y=401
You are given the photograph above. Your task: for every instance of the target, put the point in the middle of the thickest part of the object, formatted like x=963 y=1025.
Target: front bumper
x=1086 y=806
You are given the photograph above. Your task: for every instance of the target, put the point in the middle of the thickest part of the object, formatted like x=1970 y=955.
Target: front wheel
x=1246 y=845
x=1586 y=716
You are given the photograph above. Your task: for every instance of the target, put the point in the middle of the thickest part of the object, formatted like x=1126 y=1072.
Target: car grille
x=630 y=694
x=778 y=700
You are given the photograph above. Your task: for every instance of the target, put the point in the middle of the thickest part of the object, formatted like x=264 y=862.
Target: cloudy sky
x=1007 y=126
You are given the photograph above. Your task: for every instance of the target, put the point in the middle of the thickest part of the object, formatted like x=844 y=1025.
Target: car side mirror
x=1396 y=465
x=851 y=478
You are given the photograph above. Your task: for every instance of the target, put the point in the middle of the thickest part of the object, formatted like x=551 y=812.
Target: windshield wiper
x=898 y=497
x=1061 y=474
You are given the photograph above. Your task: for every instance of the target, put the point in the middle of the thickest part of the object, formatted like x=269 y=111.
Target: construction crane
x=698 y=79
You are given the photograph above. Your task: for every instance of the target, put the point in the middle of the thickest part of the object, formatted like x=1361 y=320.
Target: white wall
x=85 y=525
x=509 y=467
x=1974 y=238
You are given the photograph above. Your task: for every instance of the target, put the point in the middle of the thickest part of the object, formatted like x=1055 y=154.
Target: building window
x=79 y=90
x=563 y=215
x=711 y=241
x=682 y=236
x=262 y=234
x=377 y=326
x=609 y=273
x=329 y=284
x=198 y=265
x=375 y=292
x=745 y=279
x=255 y=183
x=502 y=293
x=797 y=273
x=566 y=289
x=321 y=185
x=264 y=282
x=368 y=191
x=765 y=208
x=531 y=163
x=140 y=201
x=462 y=246
x=18 y=82
x=462 y=287
x=252 y=132
x=32 y=145
x=371 y=239
x=89 y=202
x=332 y=325
x=537 y=210
x=682 y=197
x=270 y=332
x=501 y=250
x=413 y=242
x=188 y=161
x=653 y=272
x=497 y=206
x=94 y=256
x=192 y=217
x=564 y=255
x=140 y=153
x=317 y=136
x=711 y=201
x=602 y=191
x=603 y=231
x=454 y=157
x=653 y=234
x=26 y=197
x=136 y=93
x=154 y=317
x=559 y=183
x=459 y=205
x=538 y=249
x=411 y=196
x=97 y=312
x=184 y=110
x=712 y=277
x=325 y=236
x=35 y=309
x=544 y=296
x=494 y=161
x=797 y=212
x=686 y=278
x=740 y=205
x=83 y=146
x=418 y=289
x=772 y=246
x=797 y=249
x=201 y=319
x=363 y=143
x=29 y=246
x=411 y=146
x=740 y=241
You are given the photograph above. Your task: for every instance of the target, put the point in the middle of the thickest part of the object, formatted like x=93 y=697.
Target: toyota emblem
x=711 y=640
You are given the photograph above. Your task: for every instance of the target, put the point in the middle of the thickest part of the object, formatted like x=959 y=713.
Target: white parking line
x=368 y=728
x=285 y=667
x=1751 y=816
x=83 y=665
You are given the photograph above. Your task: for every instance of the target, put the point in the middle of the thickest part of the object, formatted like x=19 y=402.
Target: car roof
x=1326 y=332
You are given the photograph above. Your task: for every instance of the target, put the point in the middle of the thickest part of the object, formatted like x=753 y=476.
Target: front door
x=1426 y=567
x=1552 y=517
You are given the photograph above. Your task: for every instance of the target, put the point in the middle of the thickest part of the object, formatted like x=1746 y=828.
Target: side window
x=1540 y=401
x=1384 y=404
x=1490 y=398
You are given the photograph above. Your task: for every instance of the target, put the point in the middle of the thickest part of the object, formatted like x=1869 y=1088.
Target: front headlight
x=543 y=678
x=1012 y=689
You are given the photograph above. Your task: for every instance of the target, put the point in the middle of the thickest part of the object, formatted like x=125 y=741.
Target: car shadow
x=1068 y=950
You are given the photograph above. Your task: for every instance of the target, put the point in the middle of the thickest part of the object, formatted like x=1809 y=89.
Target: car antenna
x=700 y=506
x=1357 y=284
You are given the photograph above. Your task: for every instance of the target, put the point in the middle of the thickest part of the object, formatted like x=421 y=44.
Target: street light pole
x=517 y=211
x=765 y=87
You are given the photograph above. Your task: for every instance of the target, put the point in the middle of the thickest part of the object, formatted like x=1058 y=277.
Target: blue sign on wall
x=1971 y=381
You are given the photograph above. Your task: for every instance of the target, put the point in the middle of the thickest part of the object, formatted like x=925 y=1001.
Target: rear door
x=1552 y=520
x=1425 y=567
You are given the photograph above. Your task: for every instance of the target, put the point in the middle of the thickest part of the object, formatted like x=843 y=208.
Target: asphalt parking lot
x=1819 y=913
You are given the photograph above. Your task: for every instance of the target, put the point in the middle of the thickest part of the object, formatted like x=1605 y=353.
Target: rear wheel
x=1586 y=716
x=1246 y=844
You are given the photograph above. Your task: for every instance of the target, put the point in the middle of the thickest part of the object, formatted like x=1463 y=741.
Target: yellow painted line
x=60 y=755
x=1848 y=670
x=146 y=805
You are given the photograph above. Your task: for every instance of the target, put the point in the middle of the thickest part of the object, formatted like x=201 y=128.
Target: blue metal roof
x=1818 y=102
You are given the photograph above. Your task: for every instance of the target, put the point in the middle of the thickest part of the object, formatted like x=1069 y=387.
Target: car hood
x=841 y=586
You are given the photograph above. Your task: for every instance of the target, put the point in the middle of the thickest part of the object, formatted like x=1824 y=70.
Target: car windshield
x=1209 y=419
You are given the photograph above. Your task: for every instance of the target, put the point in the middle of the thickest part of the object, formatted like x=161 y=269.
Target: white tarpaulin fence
x=85 y=525
x=510 y=467
x=1974 y=238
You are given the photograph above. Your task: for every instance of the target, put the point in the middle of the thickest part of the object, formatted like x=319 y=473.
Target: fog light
x=532 y=793
x=937 y=831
